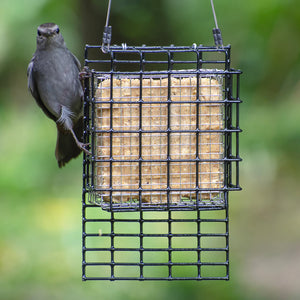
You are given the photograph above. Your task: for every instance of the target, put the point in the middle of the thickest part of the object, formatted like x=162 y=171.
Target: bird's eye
x=39 y=33
x=57 y=30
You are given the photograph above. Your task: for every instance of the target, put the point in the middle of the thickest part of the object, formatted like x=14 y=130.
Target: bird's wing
x=78 y=65
x=76 y=61
x=31 y=83
x=34 y=90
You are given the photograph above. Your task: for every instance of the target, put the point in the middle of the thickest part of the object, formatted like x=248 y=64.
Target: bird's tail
x=66 y=147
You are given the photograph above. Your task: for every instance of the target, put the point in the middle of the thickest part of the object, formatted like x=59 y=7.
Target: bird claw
x=83 y=146
x=85 y=73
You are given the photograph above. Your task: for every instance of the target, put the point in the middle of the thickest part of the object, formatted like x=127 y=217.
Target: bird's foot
x=85 y=73
x=83 y=146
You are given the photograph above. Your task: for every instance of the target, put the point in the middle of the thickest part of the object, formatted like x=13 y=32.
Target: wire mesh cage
x=163 y=139
x=163 y=124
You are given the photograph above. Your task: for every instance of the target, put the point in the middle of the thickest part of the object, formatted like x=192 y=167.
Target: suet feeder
x=163 y=125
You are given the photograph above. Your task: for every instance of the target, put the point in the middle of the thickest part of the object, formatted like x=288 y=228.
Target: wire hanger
x=216 y=31
x=107 y=32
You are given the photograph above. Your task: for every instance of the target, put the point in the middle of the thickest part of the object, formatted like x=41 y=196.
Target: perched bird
x=53 y=80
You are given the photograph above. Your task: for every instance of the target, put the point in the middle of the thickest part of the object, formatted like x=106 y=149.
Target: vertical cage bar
x=228 y=121
x=237 y=125
x=141 y=236
x=85 y=178
x=169 y=101
x=199 y=65
x=112 y=245
x=141 y=127
x=92 y=129
x=111 y=129
x=170 y=264
x=198 y=245
x=227 y=235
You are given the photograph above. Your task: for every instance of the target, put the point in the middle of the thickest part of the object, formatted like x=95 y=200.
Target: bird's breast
x=57 y=79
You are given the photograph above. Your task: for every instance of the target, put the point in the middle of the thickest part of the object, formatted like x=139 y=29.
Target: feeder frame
x=207 y=258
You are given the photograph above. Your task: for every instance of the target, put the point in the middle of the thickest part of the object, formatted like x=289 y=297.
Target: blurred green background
x=40 y=215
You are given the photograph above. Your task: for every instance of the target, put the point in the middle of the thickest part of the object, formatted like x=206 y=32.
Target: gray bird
x=53 y=80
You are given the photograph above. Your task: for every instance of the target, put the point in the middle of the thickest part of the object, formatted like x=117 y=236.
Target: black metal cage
x=163 y=125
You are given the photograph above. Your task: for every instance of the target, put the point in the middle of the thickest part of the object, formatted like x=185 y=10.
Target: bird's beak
x=48 y=33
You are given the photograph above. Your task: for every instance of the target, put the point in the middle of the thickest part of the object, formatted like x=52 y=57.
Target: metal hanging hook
x=216 y=31
x=107 y=32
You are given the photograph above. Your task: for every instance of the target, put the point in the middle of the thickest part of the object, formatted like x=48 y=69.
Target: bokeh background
x=40 y=208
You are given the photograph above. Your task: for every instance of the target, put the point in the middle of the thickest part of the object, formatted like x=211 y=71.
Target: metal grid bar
x=159 y=239
x=155 y=246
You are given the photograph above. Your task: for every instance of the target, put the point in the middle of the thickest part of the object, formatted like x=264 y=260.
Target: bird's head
x=48 y=34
